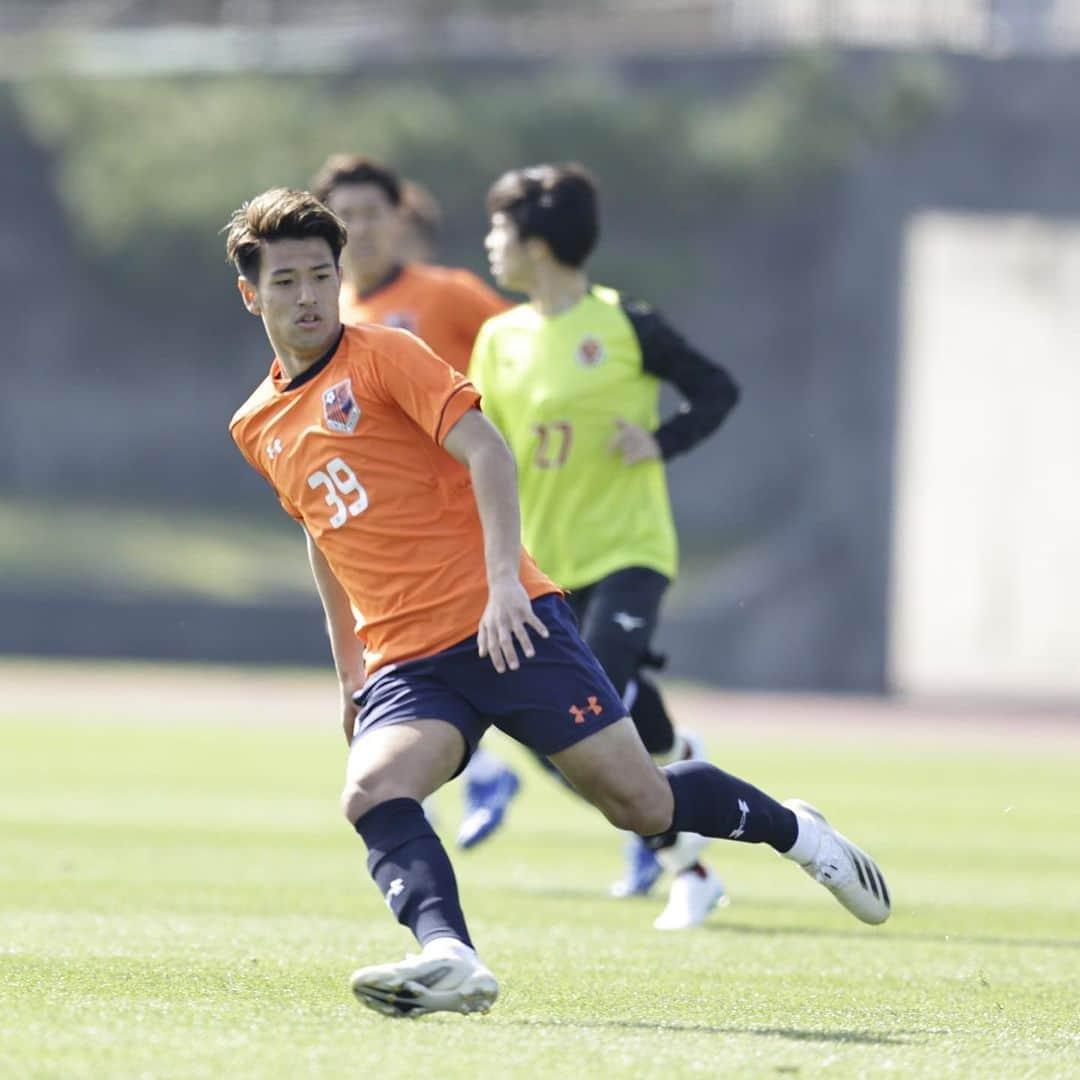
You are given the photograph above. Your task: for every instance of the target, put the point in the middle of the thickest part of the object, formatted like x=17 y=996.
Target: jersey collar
x=278 y=375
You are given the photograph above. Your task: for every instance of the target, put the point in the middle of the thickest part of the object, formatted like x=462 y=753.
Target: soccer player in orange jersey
x=385 y=216
x=440 y=622
x=444 y=307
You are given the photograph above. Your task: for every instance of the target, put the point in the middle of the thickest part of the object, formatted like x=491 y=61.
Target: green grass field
x=179 y=898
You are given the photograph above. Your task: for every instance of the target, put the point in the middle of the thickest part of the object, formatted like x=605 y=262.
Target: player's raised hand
x=504 y=625
x=633 y=443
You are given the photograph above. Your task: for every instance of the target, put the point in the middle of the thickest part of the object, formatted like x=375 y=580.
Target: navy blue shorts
x=555 y=699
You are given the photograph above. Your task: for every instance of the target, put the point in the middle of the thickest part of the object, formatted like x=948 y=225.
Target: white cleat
x=446 y=977
x=693 y=895
x=834 y=861
x=684 y=854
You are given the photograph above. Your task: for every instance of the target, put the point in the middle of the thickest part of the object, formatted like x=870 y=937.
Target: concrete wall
x=986 y=584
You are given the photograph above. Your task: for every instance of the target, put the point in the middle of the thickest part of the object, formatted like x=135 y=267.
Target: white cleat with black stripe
x=844 y=869
x=446 y=977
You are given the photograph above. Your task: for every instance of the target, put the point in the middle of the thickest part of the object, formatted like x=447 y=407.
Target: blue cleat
x=643 y=869
x=485 y=805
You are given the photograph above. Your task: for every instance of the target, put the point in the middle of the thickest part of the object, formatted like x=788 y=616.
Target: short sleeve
x=238 y=433
x=428 y=390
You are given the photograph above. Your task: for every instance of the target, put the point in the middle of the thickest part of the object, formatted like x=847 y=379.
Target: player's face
x=507 y=256
x=296 y=296
x=374 y=225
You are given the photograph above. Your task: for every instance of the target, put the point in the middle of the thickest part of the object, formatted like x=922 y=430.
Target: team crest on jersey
x=400 y=320
x=340 y=410
x=590 y=352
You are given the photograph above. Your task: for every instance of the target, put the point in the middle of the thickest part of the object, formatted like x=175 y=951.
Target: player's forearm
x=494 y=480
x=345 y=647
x=709 y=391
x=347 y=651
x=708 y=403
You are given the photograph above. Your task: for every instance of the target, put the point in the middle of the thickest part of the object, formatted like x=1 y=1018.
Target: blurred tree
x=148 y=170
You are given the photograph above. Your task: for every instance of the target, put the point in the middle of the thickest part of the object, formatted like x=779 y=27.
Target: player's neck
x=294 y=363
x=558 y=289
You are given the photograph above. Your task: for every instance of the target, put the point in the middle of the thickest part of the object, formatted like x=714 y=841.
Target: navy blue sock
x=412 y=870
x=715 y=803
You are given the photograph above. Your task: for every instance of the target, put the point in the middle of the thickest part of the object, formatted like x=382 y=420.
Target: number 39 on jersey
x=340 y=484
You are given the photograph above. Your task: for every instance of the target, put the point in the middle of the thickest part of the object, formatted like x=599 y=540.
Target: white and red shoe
x=694 y=893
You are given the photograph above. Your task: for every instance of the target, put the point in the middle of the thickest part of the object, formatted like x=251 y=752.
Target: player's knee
x=363 y=794
x=354 y=802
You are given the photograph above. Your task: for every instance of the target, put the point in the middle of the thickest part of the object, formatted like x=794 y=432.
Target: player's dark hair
x=341 y=169
x=556 y=203
x=279 y=214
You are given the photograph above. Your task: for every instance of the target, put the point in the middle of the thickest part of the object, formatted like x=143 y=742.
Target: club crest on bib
x=400 y=320
x=340 y=410
x=590 y=352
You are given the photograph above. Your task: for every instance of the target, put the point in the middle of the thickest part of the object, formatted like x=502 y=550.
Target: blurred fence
x=167 y=35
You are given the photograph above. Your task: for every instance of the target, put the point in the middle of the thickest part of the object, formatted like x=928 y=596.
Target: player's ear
x=537 y=248
x=249 y=294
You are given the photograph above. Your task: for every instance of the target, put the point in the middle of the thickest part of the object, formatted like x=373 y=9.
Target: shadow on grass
x=869 y=1038
x=890 y=935
x=724 y=926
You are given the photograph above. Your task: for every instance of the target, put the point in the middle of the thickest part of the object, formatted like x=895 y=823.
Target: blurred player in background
x=380 y=281
x=406 y=493
x=572 y=379
x=393 y=227
x=421 y=224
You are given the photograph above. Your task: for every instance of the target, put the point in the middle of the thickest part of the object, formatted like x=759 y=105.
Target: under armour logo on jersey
x=741 y=827
x=627 y=621
x=397 y=887
x=273 y=448
x=592 y=706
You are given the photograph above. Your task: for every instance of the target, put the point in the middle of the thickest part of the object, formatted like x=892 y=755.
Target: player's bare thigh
x=614 y=771
x=410 y=760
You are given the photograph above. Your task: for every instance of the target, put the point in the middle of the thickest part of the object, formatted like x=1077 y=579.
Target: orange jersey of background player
x=444 y=307
x=353 y=449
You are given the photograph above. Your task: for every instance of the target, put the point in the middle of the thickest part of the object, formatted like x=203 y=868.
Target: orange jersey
x=444 y=307
x=353 y=449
